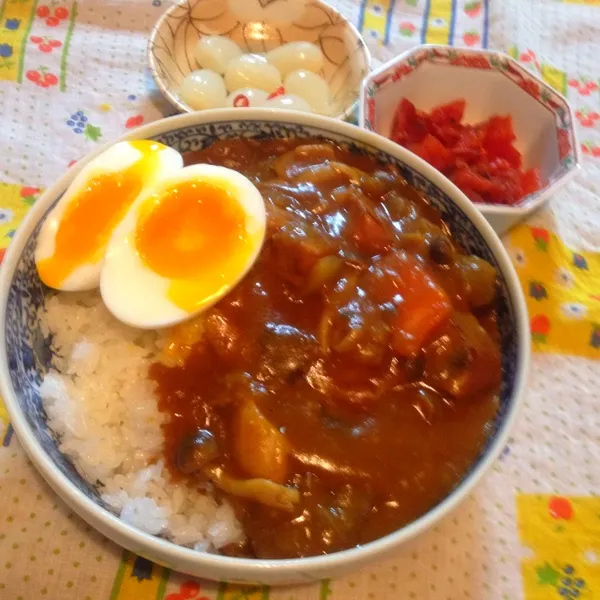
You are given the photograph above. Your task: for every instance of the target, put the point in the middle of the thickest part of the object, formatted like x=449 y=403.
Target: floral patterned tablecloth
x=73 y=75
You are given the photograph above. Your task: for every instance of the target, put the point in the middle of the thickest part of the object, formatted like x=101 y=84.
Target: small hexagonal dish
x=492 y=83
x=258 y=26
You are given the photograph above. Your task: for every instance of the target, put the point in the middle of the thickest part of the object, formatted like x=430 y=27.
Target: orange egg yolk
x=194 y=235
x=87 y=223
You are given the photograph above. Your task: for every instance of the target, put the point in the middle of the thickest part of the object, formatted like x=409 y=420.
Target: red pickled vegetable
x=433 y=151
x=448 y=113
x=409 y=126
x=480 y=159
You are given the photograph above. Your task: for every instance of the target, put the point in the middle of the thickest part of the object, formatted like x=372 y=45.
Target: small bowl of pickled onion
x=296 y=54
x=498 y=132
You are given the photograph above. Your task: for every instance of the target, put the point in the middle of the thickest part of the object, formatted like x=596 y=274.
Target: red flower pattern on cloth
x=473 y=9
x=471 y=38
x=52 y=13
x=188 y=590
x=584 y=86
x=407 y=29
x=29 y=194
x=45 y=44
x=560 y=508
x=590 y=149
x=586 y=117
x=541 y=238
x=540 y=328
x=134 y=121
x=42 y=77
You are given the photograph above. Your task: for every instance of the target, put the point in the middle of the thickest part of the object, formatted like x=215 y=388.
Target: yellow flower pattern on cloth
x=15 y=201
x=562 y=290
x=560 y=540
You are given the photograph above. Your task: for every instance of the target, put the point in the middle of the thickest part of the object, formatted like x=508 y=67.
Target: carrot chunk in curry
x=346 y=385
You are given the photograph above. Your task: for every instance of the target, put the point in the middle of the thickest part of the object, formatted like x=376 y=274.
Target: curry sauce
x=346 y=385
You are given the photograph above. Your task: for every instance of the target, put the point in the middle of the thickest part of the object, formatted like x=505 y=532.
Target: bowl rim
x=248 y=569
x=184 y=108
x=489 y=209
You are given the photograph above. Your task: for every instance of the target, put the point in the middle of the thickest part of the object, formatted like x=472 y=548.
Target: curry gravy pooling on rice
x=340 y=390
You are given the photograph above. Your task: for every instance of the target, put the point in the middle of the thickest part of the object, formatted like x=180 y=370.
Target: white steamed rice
x=103 y=409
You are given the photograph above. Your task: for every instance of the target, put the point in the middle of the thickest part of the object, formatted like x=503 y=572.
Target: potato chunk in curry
x=260 y=449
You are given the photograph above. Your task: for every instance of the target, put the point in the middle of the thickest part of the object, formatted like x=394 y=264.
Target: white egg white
x=138 y=296
x=113 y=160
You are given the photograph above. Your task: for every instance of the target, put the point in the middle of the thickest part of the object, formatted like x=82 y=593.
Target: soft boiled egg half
x=73 y=239
x=182 y=246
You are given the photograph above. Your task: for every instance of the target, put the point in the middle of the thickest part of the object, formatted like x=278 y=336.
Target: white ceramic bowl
x=259 y=26
x=492 y=83
x=24 y=352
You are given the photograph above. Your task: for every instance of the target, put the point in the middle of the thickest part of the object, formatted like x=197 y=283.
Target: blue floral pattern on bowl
x=28 y=352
